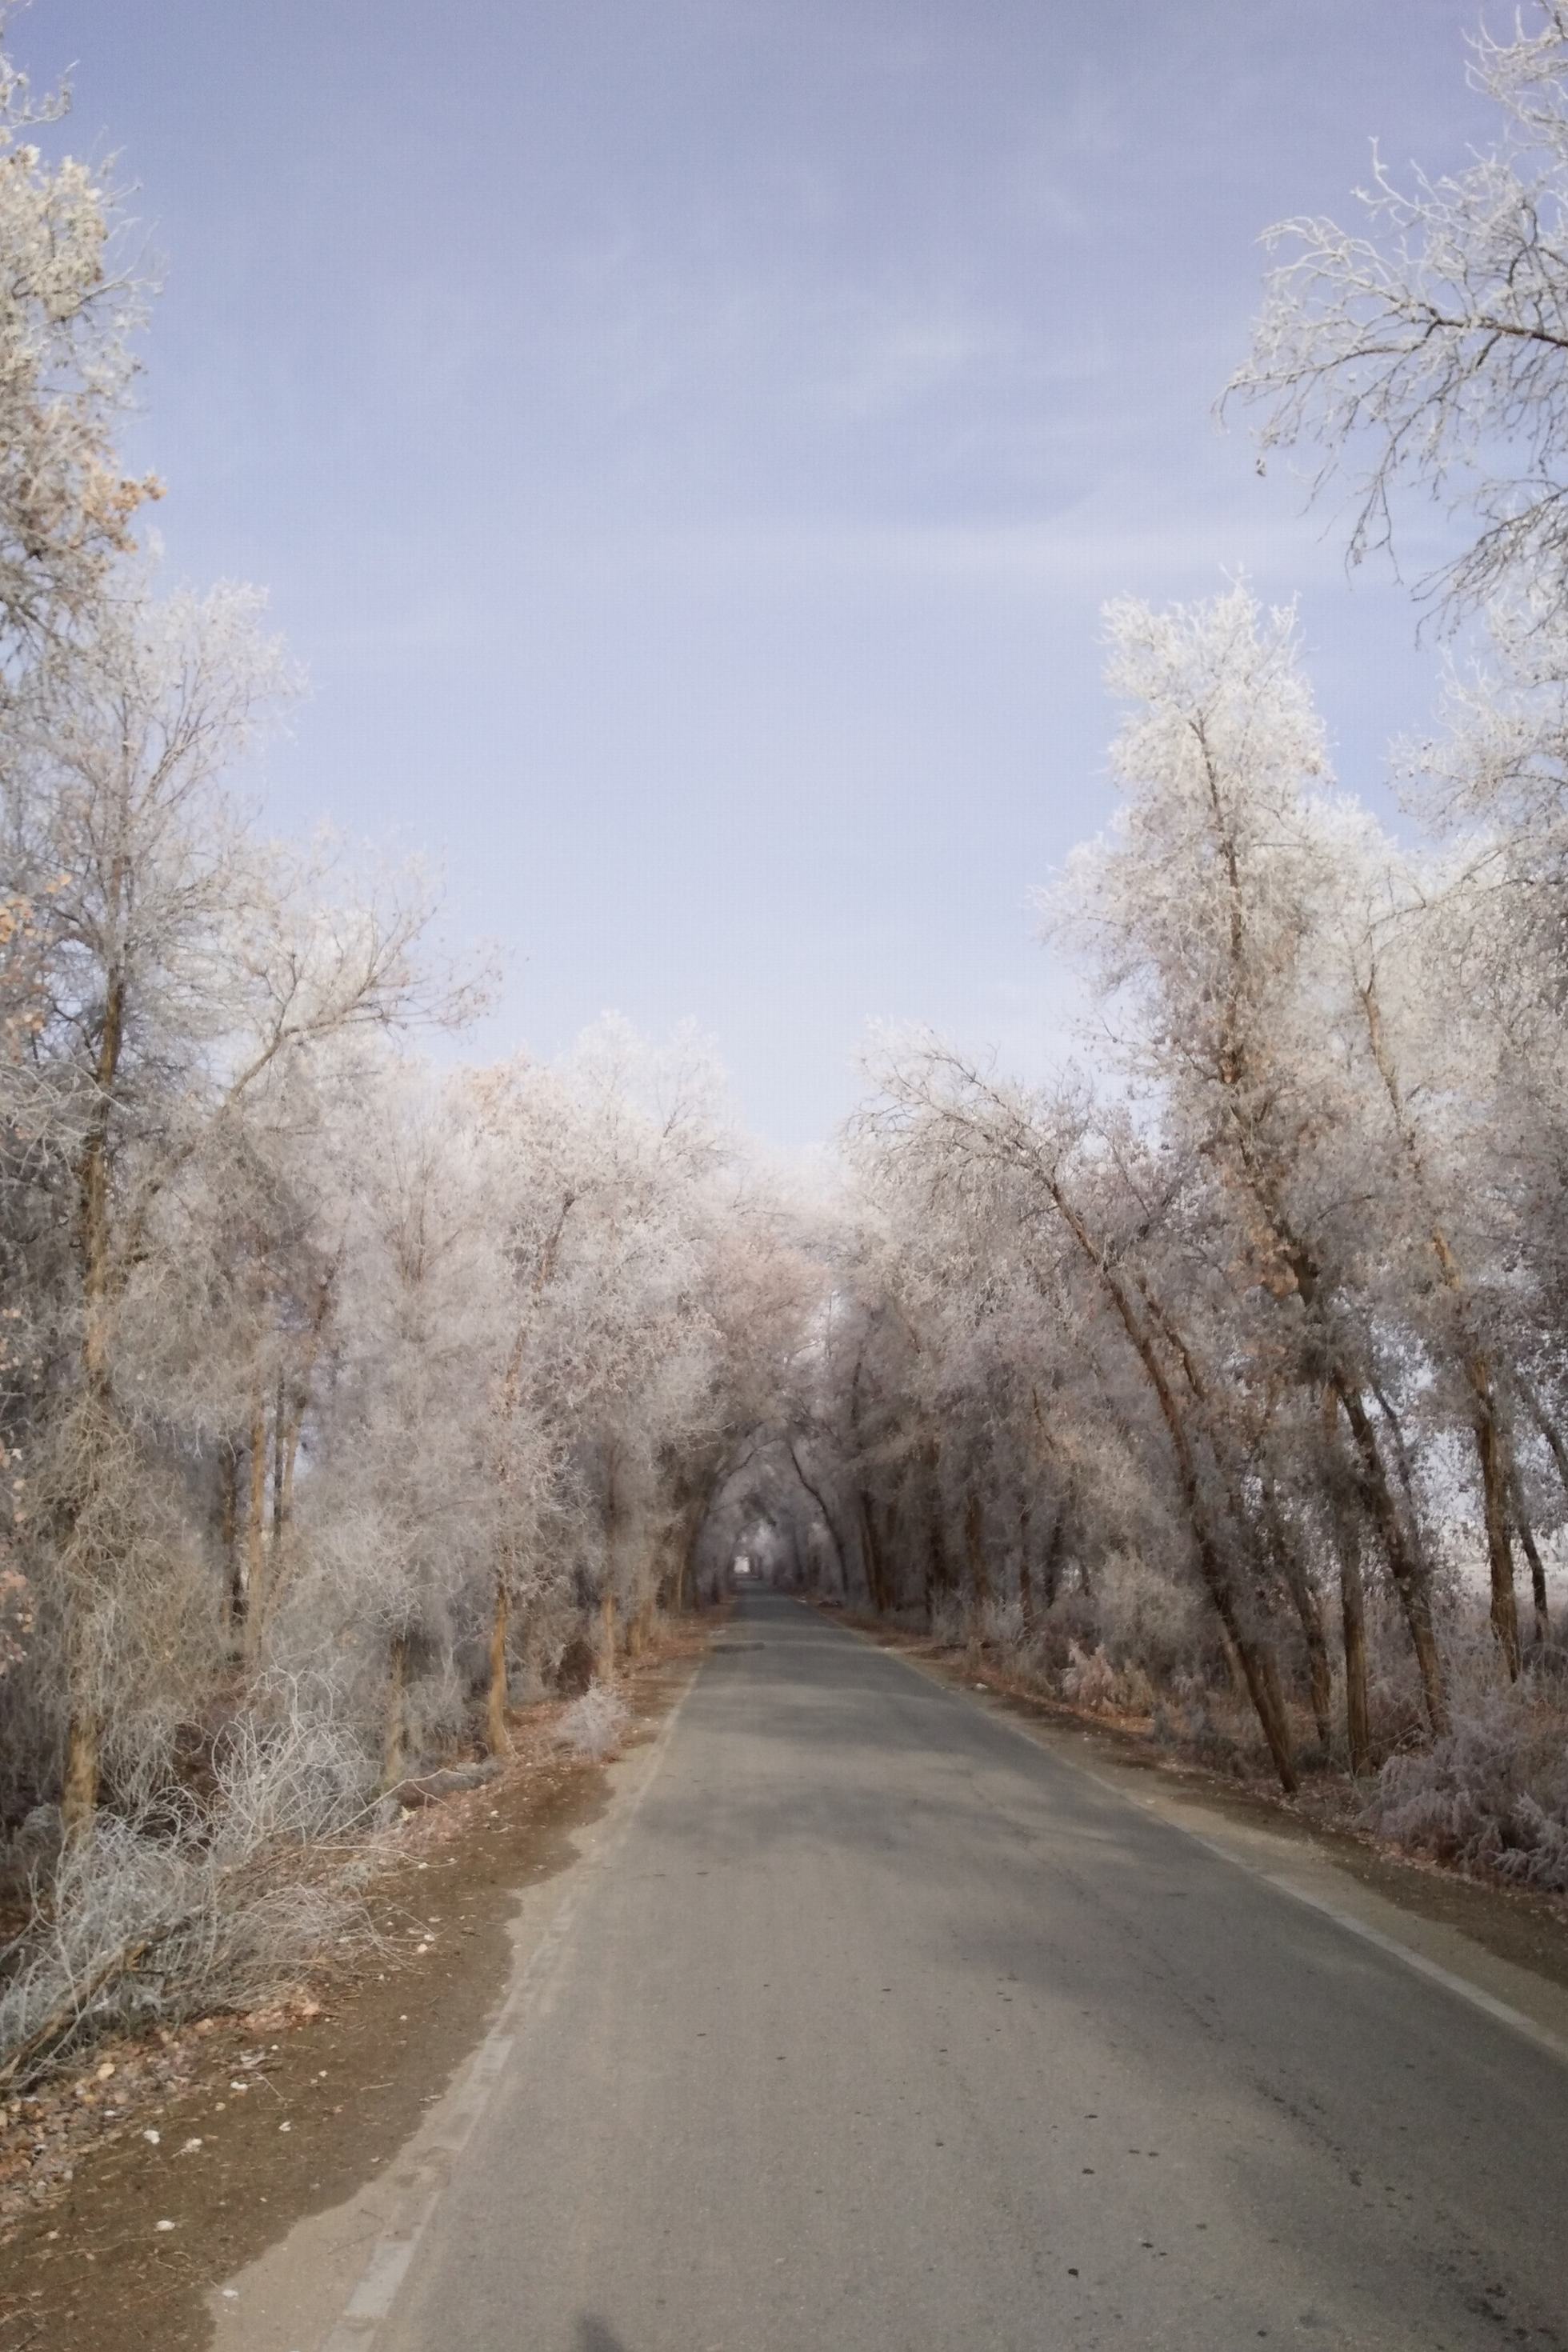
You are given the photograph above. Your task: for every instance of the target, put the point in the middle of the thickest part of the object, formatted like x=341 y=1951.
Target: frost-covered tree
x=1429 y=345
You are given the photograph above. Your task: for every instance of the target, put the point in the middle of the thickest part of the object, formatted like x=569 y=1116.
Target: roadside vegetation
x=1222 y=1385
x=349 y=1395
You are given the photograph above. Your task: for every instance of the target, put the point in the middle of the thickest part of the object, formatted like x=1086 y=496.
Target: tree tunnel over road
x=872 y=2024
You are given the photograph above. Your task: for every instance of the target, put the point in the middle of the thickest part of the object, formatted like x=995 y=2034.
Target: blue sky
x=687 y=443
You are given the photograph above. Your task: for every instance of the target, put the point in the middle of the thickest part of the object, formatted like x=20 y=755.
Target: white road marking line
x=1487 y=2003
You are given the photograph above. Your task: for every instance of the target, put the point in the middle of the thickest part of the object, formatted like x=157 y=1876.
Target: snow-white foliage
x=1428 y=343
x=348 y=1396
x=1492 y=1794
x=321 y=1369
x=196 y=1900
x=594 y=1724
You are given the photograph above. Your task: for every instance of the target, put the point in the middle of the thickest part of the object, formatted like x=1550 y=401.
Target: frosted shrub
x=1137 y=1692
x=1148 y=1616
x=194 y=1905
x=594 y=1724
x=1001 y=1624
x=1492 y=1795
x=1090 y=1679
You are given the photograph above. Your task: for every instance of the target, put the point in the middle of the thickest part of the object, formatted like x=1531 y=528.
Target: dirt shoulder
x=127 y=2198
x=1303 y=1840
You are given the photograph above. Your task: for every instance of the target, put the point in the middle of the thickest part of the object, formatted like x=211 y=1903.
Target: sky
x=689 y=443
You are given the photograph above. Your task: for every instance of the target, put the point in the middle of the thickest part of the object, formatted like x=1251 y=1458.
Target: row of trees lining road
x=349 y=1395
x=345 y=1398
x=1226 y=1383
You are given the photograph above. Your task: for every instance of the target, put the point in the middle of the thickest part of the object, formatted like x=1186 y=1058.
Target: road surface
x=885 y=2030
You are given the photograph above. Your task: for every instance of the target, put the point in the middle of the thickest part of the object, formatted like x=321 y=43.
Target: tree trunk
x=1491 y=1447
x=255 y=1530
x=938 y=1570
x=1257 y=1665
x=1025 y=1574
x=1309 y=1610
x=1537 y=1568
x=1261 y=1682
x=290 y=1457
x=1320 y=1674
x=1491 y=1444
x=1234 y=1666
x=974 y=1551
x=826 y=1516
x=1409 y=1574
x=279 y=1443
x=871 y=1551
x=1056 y=1545
x=607 y=1634
x=228 y=1545
x=78 y=1788
x=1256 y=1658
x=496 y=1739
x=1352 y=1597
x=1353 y=1622
x=84 y=1730
x=1401 y=1547
x=395 y=1735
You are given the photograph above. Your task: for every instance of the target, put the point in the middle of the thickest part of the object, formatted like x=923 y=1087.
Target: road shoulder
x=1505 y=1953
x=279 y=2149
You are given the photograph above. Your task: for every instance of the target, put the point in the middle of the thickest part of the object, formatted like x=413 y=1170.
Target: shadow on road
x=593 y=2336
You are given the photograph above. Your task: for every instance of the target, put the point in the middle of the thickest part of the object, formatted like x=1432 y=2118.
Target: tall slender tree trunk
x=228 y=1545
x=255 y=1530
x=1308 y=1608
x=497 y=1741
x=938 y=1570
x=78 y=1787
x=975 y=1549
x=280 y=1448
x=394 y=1729
x=1319 y=1672
x=1233 y=1666
x=1491 y=1449
x=1353 y=1624
x=1056 y=1546
x=612 y=1555
x=84 y=1726
x=291 y=1458
x=871 y=1551
x=1258 y=1664
x=1266 y=1178
x=1353 y=1597
x=1410 y=1578
x=1527 y=1544
x=826 y=1515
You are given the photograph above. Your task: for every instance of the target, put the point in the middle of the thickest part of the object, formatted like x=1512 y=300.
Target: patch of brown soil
x=112 y=2238
x=1513 y=1923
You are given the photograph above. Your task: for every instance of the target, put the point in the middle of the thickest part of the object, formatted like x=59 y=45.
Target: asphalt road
x=884 y=2030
